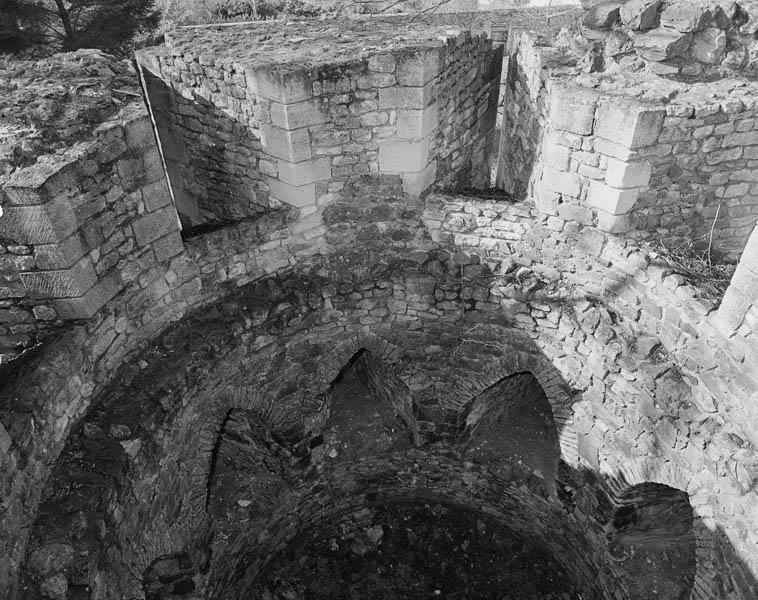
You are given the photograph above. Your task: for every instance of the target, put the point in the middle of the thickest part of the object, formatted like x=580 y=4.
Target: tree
x=18 y=24
x=67 y=25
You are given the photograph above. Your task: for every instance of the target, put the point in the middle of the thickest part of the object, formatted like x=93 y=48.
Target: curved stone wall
x=119 y=421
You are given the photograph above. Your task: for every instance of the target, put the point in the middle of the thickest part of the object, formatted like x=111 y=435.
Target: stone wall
x=638 y=377
x=72 y=221
x=423 y=109
x=212 y=157
x=646 y=381
x=612 y=153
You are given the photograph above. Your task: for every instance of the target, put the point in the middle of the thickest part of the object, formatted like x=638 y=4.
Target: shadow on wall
x=211 y=159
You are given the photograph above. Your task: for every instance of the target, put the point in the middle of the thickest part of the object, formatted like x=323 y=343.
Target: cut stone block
x=43 y=181
x=546 y=200
x=615 y=150
x=60 y=256
x=292 y=146
x=86 y=305
x=415 y=184
x=660 y=44
x=151 y=226
x=420 y=67
x=168 y=246
x=42 y=224
x=65 y=283
x=733 y=308
x=611 y=200
x=399 y=96
x=555 y=155
x=613 y=223
x=572 y=109
x=139 y=133
x=280 y=86
x=302 y=195
x=628 y=124
x=298 y=115
x=561 y=182
x=750 y=253
x=308 y=171
x=382 y=63
x=156 y=195
x=403 y=157
x=417 y=124
x=622 y=174
x=746 y=281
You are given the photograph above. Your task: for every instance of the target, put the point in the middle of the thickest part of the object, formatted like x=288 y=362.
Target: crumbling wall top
x=302 y=45
x=48 y=104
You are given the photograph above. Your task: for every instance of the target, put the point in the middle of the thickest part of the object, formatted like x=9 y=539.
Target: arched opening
x=653 y=543
x=370 y=410
x=510 y=426
x=250 y=472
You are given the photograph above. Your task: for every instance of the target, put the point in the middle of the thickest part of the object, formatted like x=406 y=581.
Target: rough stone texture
x=678 y=168
x=295 y=118
x=690 y=38
x=437 y=301
x=75 y=218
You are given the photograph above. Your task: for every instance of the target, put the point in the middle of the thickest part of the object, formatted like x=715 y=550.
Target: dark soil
x=413 y=551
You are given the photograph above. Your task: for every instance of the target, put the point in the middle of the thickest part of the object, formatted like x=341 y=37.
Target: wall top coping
x=302 y=45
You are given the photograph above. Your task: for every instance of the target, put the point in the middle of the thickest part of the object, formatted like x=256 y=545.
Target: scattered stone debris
x=678 y=38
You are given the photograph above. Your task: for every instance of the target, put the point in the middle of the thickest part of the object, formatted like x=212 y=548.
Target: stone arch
x=558 y=395
x=510 y=425
x=258 y=399
x=651 y=533
x=369 y=409
x=633 y=473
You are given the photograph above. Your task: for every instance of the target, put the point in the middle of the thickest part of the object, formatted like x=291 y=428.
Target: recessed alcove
x=652 y=534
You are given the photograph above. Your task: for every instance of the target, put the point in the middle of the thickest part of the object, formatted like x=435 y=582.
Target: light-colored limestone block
x=622 y=174
x=308 y=171
x=627 y=123
x=572 y=109
x=400 y=96
x=403 y=157
x=285 y=87
x=555 y=155
x=294 y=195
x=416 y=183
x=611 y=200
x=561 y=182
x=298 y=115
x=292 y=146
x=417 y=124
x=613 y=223
x=419 y=67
